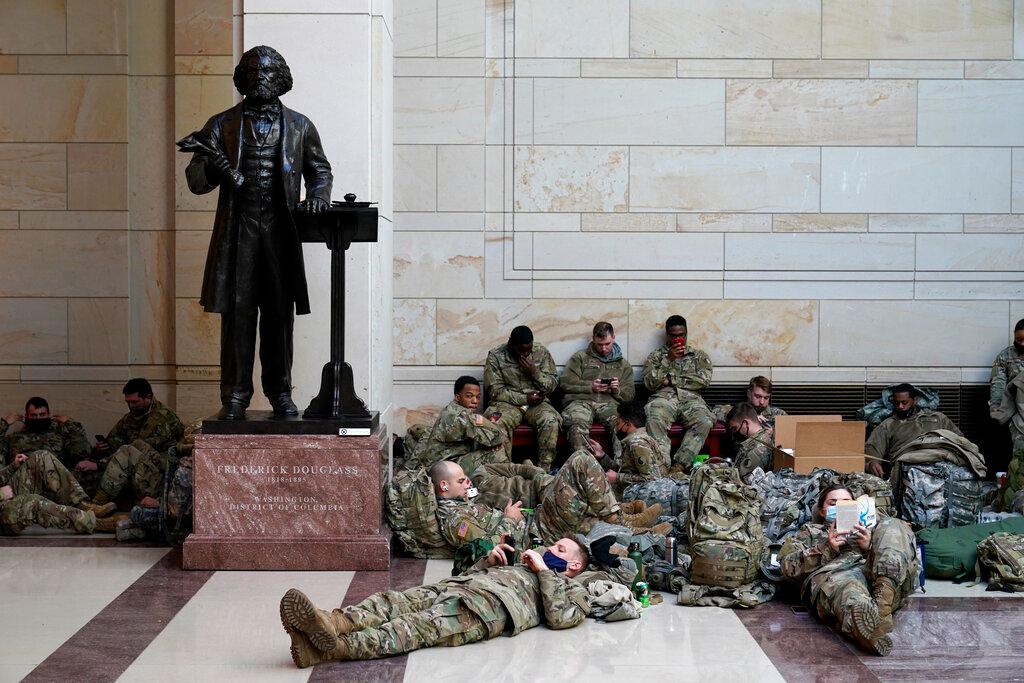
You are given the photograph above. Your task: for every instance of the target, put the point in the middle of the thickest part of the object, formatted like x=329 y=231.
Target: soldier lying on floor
x=854 y=582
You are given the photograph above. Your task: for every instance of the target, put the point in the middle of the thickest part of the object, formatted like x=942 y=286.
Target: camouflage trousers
x=575 y=498
x=893 y=555
x=690 y=411
x=500 y=484
x=137 y=465
x=1014 y=472
x=495 y=455
x=580 y=415
x=395 y=622
x=27 y=509
x=43 y=473
x=543 y=417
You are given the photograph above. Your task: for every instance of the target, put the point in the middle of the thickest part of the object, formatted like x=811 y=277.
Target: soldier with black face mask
x=63 y=437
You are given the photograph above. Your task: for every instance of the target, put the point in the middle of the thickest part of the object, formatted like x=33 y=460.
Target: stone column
x=340 y=53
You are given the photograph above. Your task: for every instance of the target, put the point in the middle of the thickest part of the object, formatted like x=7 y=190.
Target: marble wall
x=829 y=190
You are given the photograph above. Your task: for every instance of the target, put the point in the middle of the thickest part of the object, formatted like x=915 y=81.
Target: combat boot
x=126 y=530
x=99 y=510
x=101 y=498
x=84 y=521
x=108 y=525
x=868 y=629
x=298 y=613
x=643 y=519
x=884 y=595
x=632 y=507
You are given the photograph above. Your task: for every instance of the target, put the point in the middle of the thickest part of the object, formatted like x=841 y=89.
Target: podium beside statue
x=276 y=489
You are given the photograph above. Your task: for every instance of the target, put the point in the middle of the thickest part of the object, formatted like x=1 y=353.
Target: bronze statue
x=255 y=152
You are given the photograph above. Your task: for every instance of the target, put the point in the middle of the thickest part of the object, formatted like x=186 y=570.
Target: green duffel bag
x=953 y=553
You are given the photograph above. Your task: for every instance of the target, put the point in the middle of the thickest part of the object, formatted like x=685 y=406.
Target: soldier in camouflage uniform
x=462 y=520
x=460 y=434
x=757 y=447
x=63 y=437
x=595 y=381
x=1007 y=365
x=674 y=374
x=853 y=582
x=759 y=395
x=907 y=422
x=23 y=484
x=489 y=600
x=518 y=377
x=642 y=457
x=139 y=443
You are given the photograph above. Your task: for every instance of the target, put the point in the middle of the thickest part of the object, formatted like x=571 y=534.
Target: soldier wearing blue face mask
x=492 y=598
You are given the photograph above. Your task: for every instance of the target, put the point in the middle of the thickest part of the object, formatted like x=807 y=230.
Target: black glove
x=600 y=550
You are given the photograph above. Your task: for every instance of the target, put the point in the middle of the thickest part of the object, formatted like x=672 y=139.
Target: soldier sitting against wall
x=461 y=434
x=595 y=380
x=853 y=581
x=759 y=395
x=642 y=458
x=63 y=437
x=675 y=373
x=755 y=438
x=907 y=422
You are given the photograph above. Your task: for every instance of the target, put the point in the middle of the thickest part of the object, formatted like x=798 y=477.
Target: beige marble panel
x=1017 y=181
x=439 y=110
x=731 y=332
x=74 y=220
x=202 y=27
x=197 y=334
x=970 y=112
x=820 y=68
x=915 y=180
x=994 y=222
x=717 y=179
x=8 y=220
x=97 y=27
x=628 y=68
x=152 y=296
x=868 y=252
x=565 y=178
x=638 y=111
x=611 y=252
x=33 y=176
x=970 y=252
x=917 y=29
x=415 y=178
x=96 y=406
x=460 y=28
x=63 y=108
x=724 y=222
x=725 y=28
x=826 y=288
x=98 y=177
x=822 y=222
x=917 y=68
x=460 y=178
x=915 y=222
x=152 y=180
x=420 y=402
x=821 y=112
x=78 y=263
x=468 y=329
x=72 y=64
x=203 y=65
x=994 y=69
x=438 y=264
x=558 y=68
x=628 y=222
x=415 y=331
x=33 y=331
x=78 y=373
x=150 y=38
x=190 y=248
x=416 y=28
x=1016 y=314
x=1018 y=29
x=830 y=375
x=9 y=64
x=193 y=220
x=572 y=28
x=624 y=288
x=445 y=66
x=1000 y=290
x=196 y=98
x=184 y=199
x=972 y=332
x=99 y=332
x=724 y=68
x=38 y=27
x=199 y=399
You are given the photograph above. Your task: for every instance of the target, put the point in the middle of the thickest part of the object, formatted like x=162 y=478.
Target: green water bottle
x=638 y=559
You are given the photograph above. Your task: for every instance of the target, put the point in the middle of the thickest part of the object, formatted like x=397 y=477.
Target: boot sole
x=298 y=611
x=867 y=627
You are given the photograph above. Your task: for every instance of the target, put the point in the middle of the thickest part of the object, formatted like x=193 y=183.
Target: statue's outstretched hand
x=313 y=205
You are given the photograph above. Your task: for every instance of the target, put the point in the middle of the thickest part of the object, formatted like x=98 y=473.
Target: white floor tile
x=935 y=588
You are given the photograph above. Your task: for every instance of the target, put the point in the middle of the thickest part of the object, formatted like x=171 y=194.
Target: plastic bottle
x=639 y=585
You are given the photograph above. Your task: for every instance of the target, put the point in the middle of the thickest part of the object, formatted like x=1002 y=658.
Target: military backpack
x=940 y=494
x=1001 y=557
x=724 y=528
x=411 y=508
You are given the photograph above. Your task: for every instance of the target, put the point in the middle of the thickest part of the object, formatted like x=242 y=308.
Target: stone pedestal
x=275 y=501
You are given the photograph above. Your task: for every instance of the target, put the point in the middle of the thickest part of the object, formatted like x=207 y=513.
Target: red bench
x=525 y=436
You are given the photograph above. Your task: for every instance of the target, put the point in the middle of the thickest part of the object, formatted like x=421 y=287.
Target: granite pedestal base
x=276 y=501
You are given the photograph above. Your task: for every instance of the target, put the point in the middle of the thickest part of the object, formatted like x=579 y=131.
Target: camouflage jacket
x=642 y=459
x=756 y=451
x=807 y=553
x=686 y=375
x=461 y=521
x=67 y=441
x=454 y=434
x=720 y=412
x=159 y=427
x=506 y=382
x=895 y=433
x=530 y=599
x=1007 y=365
x=585 y=366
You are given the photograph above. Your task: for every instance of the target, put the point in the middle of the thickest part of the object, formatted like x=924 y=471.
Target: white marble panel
x=771 y=288
x=415 y=177
x=439 y=110
x=627 y=251
x=731 y=332
x=830 y=375
x=624 y=111
x=572 y=28
x=567 y=179
x=415 y=331
x=724 y=222
x=628 y=68
x=444 y=221
x=851 y=333
x=924 y=376
x=970 y=252
x=724 y=68
x=1018 y=29
x=628 y=222
x=725 y=28
x=917 y=68
x=982 y=113
x=1016 y=182
x=994 y=222
x=548 y=222
x=999 y=290
x=820 y=222
x=975 y=375
x=496 y=284
x=548 y=67
x=436 y=264
x=1016 y=313
x=800 y=251
x=625 y=288
x=416 y=28
x=915 y=222
x=820 y=68
x=444 y=66
x=522 y=102
x=994 y=69
x=724 y=179
x=460 y=178
x=460 y=28
x=915 y=180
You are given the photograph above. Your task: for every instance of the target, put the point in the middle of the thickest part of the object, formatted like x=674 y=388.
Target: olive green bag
x=953 y=553
x=1001 y=558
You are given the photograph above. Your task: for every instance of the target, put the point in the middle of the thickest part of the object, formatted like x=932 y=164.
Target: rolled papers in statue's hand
x=202 y=142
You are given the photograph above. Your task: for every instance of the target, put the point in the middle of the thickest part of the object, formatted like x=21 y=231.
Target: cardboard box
x=819 y=441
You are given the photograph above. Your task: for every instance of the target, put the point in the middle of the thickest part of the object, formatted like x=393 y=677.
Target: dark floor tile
x=826 y=673
x=811 y=645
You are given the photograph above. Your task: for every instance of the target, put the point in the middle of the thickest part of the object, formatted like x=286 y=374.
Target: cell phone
x=605 y=380
x=495 y=417
x=510 y=555
x=678 y=341
x=100 y=437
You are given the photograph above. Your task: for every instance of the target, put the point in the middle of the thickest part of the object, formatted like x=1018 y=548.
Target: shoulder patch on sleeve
x=463 y=529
